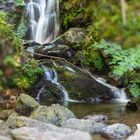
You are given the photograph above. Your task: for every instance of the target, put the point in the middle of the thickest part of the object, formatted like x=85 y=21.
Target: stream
x=116 y=112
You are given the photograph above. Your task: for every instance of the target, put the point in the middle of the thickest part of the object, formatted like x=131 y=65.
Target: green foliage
x=6 y=32
x=123 y=62
x=75 y=14
x=21 y=29
x=93 y=58
x=28 y=76
x=19 y=2
x=16 y=69
x=134 y=89
x=112 y=28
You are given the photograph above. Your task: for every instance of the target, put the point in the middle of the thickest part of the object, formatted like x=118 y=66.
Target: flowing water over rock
x=43 y=18
x=51 y=75
x=119 y=94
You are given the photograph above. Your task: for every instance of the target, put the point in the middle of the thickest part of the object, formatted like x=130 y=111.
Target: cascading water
x=43 y=18
x=51 y=75
x=119 y=94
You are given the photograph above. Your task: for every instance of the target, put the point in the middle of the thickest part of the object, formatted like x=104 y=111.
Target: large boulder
x=33 y=130
x=49 y=92
x=34 y=134
x=117 y=131
x=82 y=86
x=84 y=125
x=54 y=114
x=26 y=104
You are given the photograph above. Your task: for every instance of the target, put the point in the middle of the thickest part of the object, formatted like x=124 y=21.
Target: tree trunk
x=123 y=7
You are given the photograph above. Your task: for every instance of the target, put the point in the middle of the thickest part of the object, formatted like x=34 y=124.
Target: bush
x=16 y=70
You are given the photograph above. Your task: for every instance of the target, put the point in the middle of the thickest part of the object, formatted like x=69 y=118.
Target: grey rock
x=97 y=118
x=117 y=131
x=54 y=114
x=26 y=133
x=30 y=129
x=84 y=125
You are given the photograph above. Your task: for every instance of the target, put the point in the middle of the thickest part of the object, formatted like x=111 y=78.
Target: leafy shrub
x=123 y=62
x=16 y=69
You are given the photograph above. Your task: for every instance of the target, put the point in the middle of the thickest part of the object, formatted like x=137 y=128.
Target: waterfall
x=43 y=18
x=119 y=94
x=51 y=75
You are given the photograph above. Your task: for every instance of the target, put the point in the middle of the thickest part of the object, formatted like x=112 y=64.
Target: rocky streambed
x=32 y=121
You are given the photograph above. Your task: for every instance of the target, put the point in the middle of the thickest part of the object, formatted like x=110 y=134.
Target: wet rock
x=34 y=130
x=25 y=104
x=97 y=118
x=60 y=50
x=116 y=131
x=54 y=114
x=49 y=92
x=84 y=125
x=132 y=106
x=81 y=86
x=11 y=121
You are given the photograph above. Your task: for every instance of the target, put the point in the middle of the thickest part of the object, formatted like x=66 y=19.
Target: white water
x=120 y=94
x=51 y=75
x=43 y=18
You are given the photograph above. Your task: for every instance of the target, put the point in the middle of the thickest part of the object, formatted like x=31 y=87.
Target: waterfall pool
x=115 y=111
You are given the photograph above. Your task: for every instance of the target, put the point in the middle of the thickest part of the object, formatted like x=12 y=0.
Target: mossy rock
x=54 y=114
x=26 y=104
x=81 y=86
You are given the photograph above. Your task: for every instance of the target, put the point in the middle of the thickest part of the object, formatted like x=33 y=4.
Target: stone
x=97 y=118
x=84 y=125
x=116 y=131
x=74 y=36
x=26 y=104
x=34 y=130
x=132 y=106
x=51 y=92
x=136 y=135
x=4 y=114
x=11 y=121
x=54 y=114
x=4 y=130
x=82 y=87
x=5 y=138
x=26 y=133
